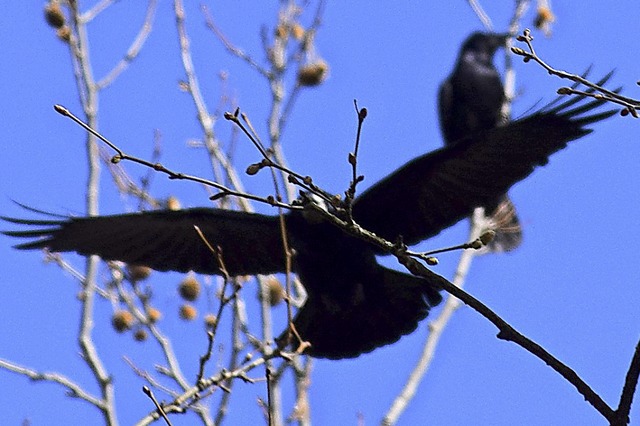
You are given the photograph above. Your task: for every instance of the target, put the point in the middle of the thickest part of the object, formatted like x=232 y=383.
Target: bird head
x=484 y=44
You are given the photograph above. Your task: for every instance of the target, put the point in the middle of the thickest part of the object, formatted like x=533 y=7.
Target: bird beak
x=501 y=39
x=498 y=40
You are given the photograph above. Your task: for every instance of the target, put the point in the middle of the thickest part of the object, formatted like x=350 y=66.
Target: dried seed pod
x=140 y=335
x=64 y=34
x=313 y=73
x=138 y=272
x=544 y=17
x=188 y=312
x=122 y=320
x=297 y=31
x=275 y=290
x=53 y=15
x=189 y=288
x=153 y=315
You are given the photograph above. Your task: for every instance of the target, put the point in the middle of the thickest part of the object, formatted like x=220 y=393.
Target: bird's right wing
x=379 y=312
x=166 y=240
x=439 y=189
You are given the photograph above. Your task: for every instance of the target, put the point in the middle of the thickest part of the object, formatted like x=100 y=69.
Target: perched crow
x=354 y=304
x=470 y=100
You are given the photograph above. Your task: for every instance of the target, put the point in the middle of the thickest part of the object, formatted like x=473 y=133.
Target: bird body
x=471 y=98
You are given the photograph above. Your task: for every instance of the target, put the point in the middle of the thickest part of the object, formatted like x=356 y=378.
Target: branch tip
x=61 y=110
x=487 y=237
x=432 y=261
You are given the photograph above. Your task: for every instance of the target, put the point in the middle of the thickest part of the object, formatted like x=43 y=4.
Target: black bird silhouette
x=470 y=100
x=354 y=305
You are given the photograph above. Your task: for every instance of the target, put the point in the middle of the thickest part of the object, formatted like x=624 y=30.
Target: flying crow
x=354 y=305
x=470 y=100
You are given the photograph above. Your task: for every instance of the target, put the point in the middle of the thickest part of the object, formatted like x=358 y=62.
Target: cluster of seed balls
x=189 y=290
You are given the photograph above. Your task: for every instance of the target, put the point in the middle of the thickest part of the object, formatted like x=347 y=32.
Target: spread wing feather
x=439 y=189
x=166 y=240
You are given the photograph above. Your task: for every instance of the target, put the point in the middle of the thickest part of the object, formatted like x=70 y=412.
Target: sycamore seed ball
x=276 y=291
x=140 y=335
x=122 y=320
x=188 y=312
x=313 y=74
x=189 y=288
x=138 y=272
x=153 y=315
x=53 y=15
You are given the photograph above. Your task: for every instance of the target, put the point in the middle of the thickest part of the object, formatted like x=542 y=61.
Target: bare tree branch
x=97 y=9
x=121 y=155
x=631 y=105
x=481 y=14
x=75 y=390
x=629 y=389
x=134 y=49
x=88 y=93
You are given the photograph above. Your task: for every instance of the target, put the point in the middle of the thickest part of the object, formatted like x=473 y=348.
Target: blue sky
x=572 y=286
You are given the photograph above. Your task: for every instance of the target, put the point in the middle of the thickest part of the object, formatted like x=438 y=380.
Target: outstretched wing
x=166 y=240
x=435 y=191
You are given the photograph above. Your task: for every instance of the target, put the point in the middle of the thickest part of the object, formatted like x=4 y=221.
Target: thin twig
x=177 y=405
x=481 y=14
x=134 y=49
x=206 y=120
x=235 y=51
x=302 y=409
x=292 y=177
x=75 y=389
x=121 y=155
x=353 y=161
x=221 y=411
x=147 y=377
x=602 y=92
x=151 y=396
x=267 y=373
x=629 y=389
x=224 y=301
x=98 y=8
x=294 y=59
x=509 y=71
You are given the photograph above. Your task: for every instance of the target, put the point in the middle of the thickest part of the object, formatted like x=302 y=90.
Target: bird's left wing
x=445 y=108
x=166 y=240
x=435 y=191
